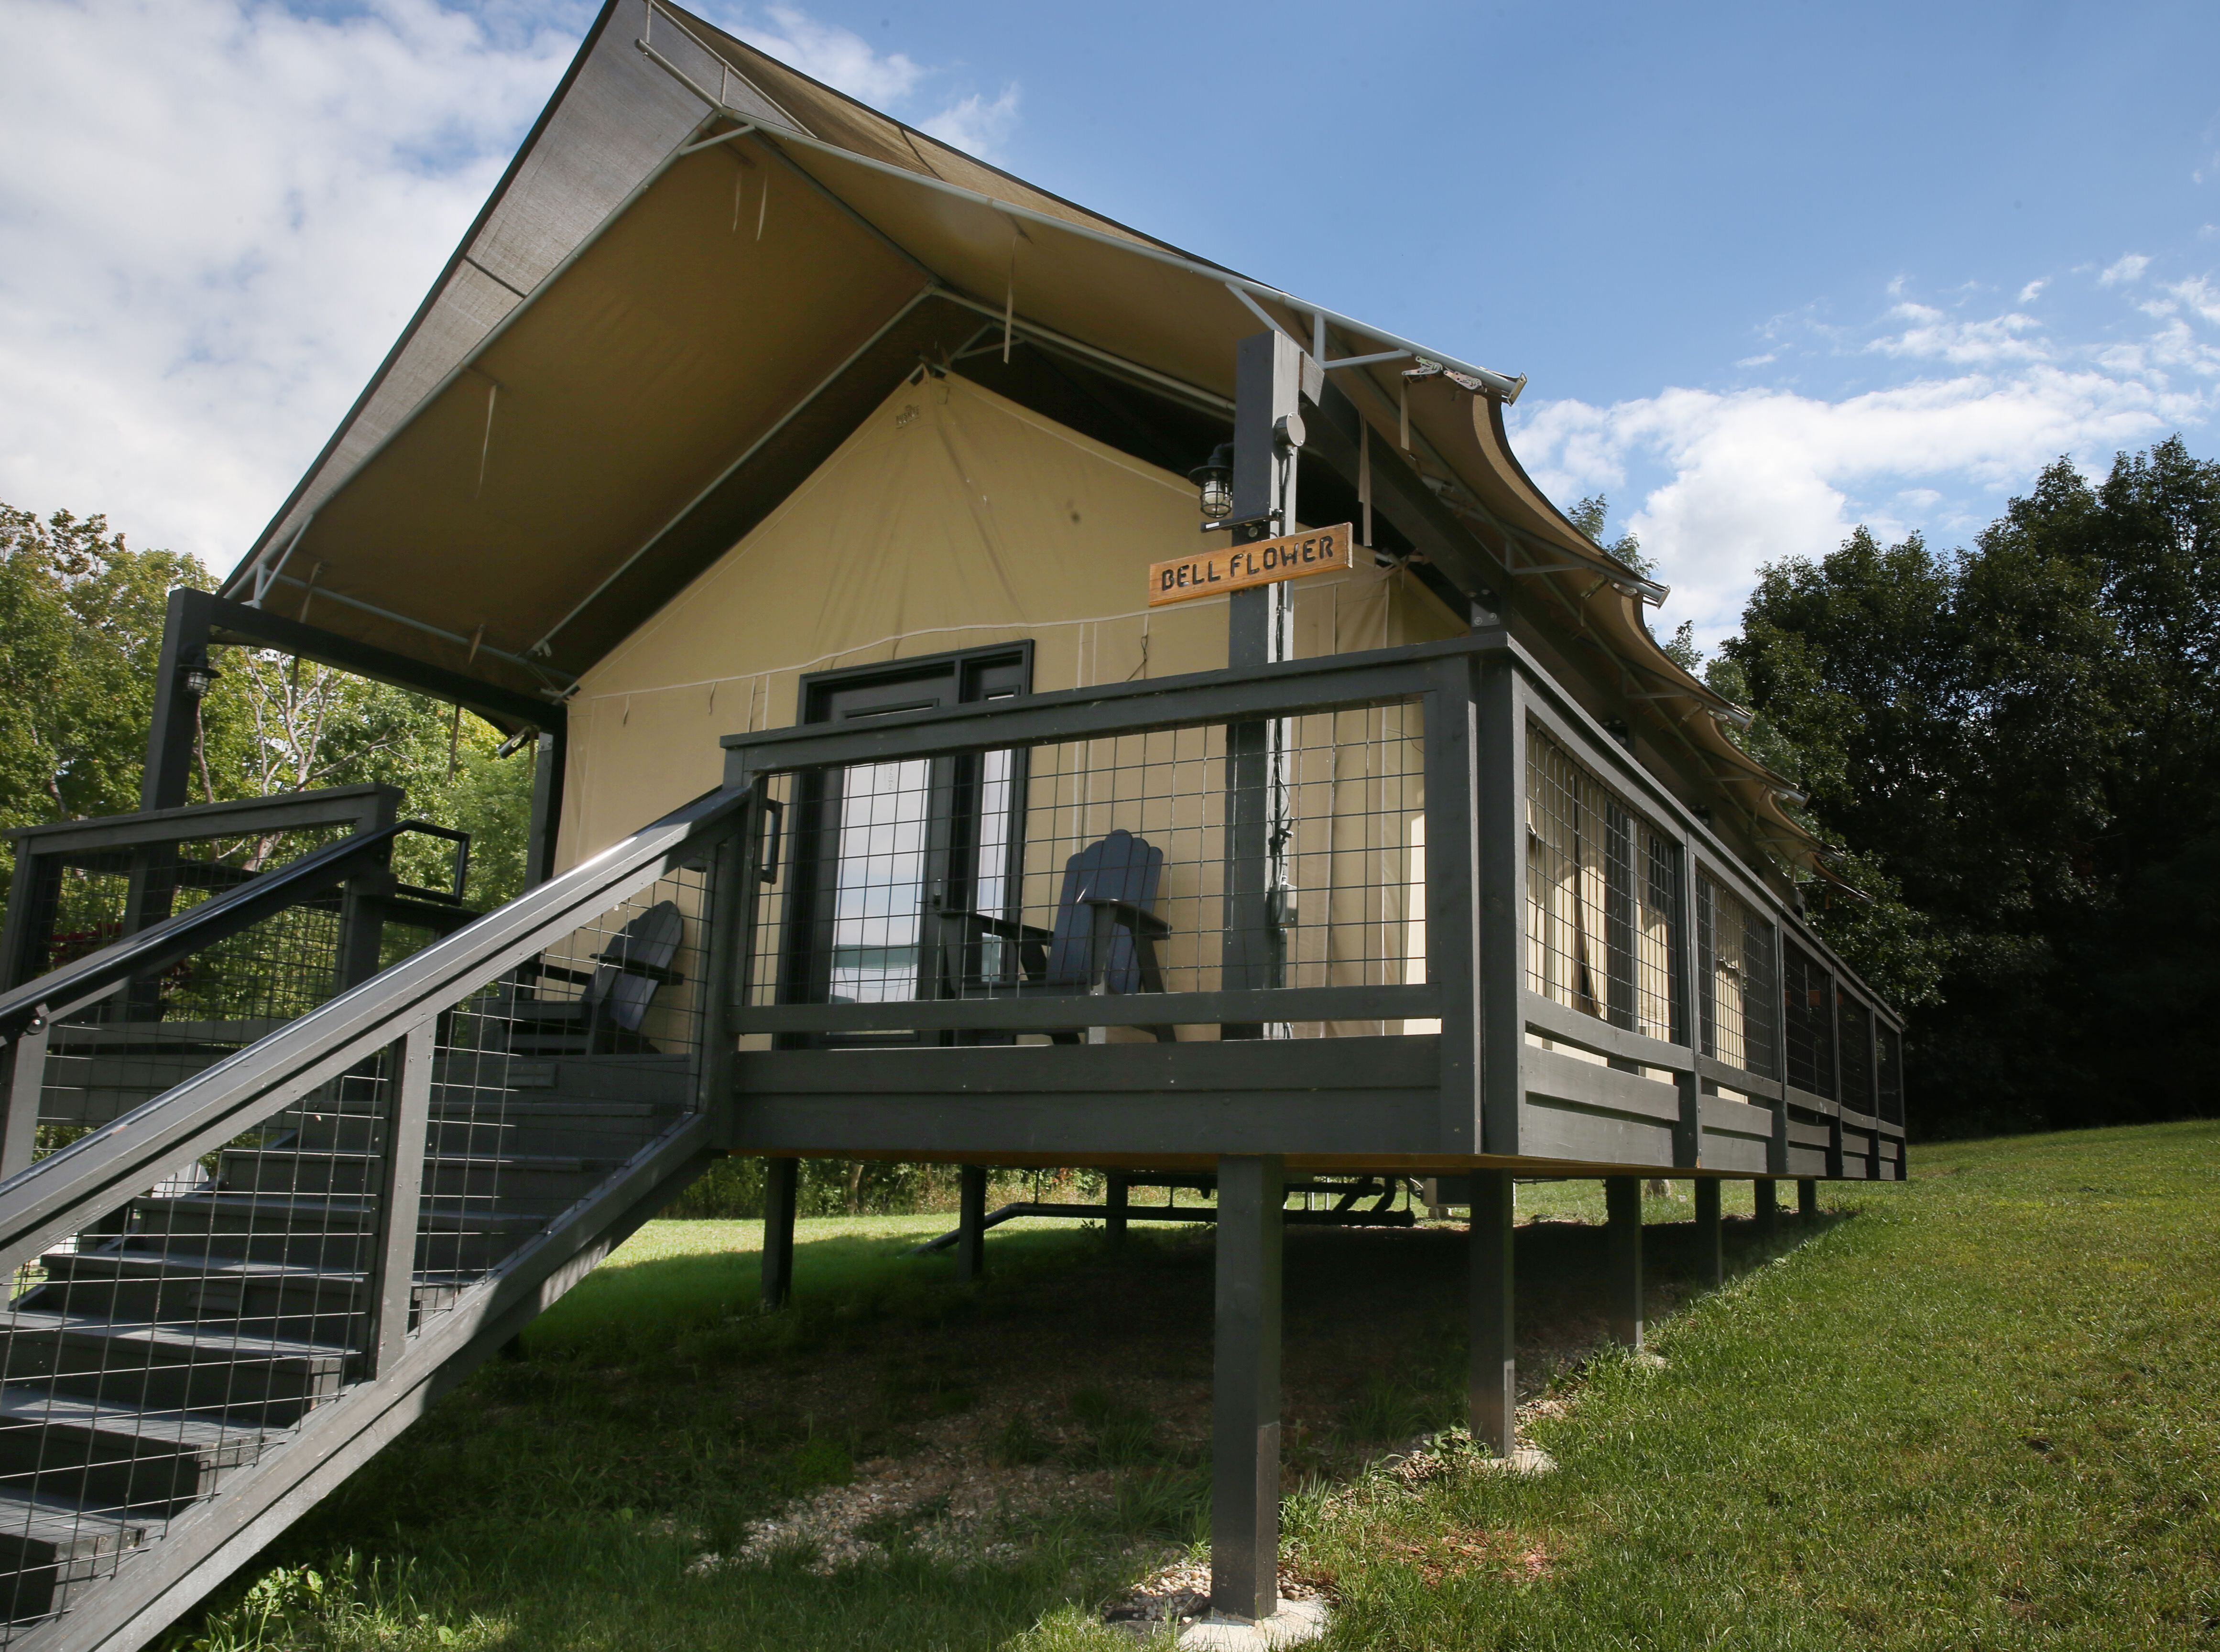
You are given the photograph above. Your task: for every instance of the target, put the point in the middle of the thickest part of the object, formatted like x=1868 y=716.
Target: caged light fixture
x=1214 y=482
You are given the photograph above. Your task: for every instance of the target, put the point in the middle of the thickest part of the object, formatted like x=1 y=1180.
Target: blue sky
x=1773 y=270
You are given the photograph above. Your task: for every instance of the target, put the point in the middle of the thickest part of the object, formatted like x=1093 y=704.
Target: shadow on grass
x=567 y=1498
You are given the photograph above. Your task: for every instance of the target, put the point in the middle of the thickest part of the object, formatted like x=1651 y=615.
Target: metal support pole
x=1117 y=1196
x=547 y=759
x=1623 y=1205
x=26 y=1070
x=780 y=1176
x=1765 y=1207
x=1807 y=1198
x=1268 y=388
x=167 y=780
x=1244 y=1453
x=1711 y=1250
x=1494 y=1387
x=971 y=1225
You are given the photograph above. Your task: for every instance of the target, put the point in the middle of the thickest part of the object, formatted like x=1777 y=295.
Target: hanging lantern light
x=198 y=677
x=1213 y=483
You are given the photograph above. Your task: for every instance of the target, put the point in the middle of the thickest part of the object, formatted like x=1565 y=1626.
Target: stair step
x=202 y=1369
x=333 y=1234
x=523 y=1177
x=130 y=1282
x=113 y=1459
x=50 y=1551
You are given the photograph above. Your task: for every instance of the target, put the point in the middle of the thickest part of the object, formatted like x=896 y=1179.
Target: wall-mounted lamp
x=197 y=678
x=1213 y=483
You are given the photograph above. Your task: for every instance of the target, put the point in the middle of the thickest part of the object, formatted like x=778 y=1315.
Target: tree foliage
x=2019 y=745
x=81 y=617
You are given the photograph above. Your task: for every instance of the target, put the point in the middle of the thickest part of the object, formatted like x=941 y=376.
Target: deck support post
x=1710 y=1251
x=1494 y=1386
x=1807 y=1199
x=971 y=1225
x=780 y=1177
x=1623 y=1207
x=1765 y=1205
x=1244 y=1447
x=1117 y=1197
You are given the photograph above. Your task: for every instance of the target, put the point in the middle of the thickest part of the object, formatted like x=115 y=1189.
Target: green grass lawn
x=1981 y=1409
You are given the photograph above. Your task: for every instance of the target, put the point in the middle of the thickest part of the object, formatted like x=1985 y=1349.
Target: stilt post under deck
x=1117 y=1197
x=971 y=1224
x=1244 y=1447
x=1765 y=1205
x=1494 y=1379
x=780 y=1176
x=1623 y=1206
x=1710 y=1240
x=1711 y=1252
x=1807 y=1199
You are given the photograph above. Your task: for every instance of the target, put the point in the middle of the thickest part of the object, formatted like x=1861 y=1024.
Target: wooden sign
x=1260 y=562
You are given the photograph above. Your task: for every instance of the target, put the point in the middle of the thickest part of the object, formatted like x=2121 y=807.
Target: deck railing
x=1433 y=843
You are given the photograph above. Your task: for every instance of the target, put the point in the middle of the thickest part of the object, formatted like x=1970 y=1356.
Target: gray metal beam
x=780 y=1177
x=971 y=1224
x=1711 y=1254
x=1623 y=1205
x=1493 y=1387
x=1245 y=1444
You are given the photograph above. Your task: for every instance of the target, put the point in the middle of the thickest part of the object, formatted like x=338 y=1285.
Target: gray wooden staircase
x=237 y=1291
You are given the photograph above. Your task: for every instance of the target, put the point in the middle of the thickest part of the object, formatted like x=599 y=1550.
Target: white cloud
x=2032 y=291
x=893 y=81
x=975 y=125
x=1756 y=474
x=219 y=215
x=1930 y=334
x=839 y=57
x=2130 y=268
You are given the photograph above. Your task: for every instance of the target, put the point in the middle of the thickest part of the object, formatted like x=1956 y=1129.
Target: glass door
x=882 y=847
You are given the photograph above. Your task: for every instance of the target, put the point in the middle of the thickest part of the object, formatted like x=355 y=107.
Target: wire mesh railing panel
x=1601 y=896
x=1806 y=995
x=152 y=1034
x=547 y=1081
x=1735 y=994
x=1888 y=1074
x=155 y=1032
x=986 y=875
x=1856 y=1041
x=164 y=1346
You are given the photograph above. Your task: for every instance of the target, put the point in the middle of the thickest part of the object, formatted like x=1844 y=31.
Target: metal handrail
x=106 y=1169
x=72 y=987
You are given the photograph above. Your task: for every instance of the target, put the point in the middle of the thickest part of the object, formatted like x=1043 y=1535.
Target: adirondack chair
x=605 y=1019
x=1104 y=941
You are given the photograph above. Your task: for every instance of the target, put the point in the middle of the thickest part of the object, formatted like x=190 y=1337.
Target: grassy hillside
x=1981 y=1409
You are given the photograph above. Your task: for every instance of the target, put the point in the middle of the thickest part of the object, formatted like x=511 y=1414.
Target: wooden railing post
x=1689 y=1139
x=1452 y=894
x=726 y=914
x=393 y=1268
x=1500 y=830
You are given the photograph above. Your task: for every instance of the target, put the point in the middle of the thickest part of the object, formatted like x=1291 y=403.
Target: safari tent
x=1005 y=690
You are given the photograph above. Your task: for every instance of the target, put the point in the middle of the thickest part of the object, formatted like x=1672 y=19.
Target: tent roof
x=700 y=268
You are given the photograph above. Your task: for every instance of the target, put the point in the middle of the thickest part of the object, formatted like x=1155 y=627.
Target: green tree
x=81 y=617
x=2016 y=744
x=80 y=636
